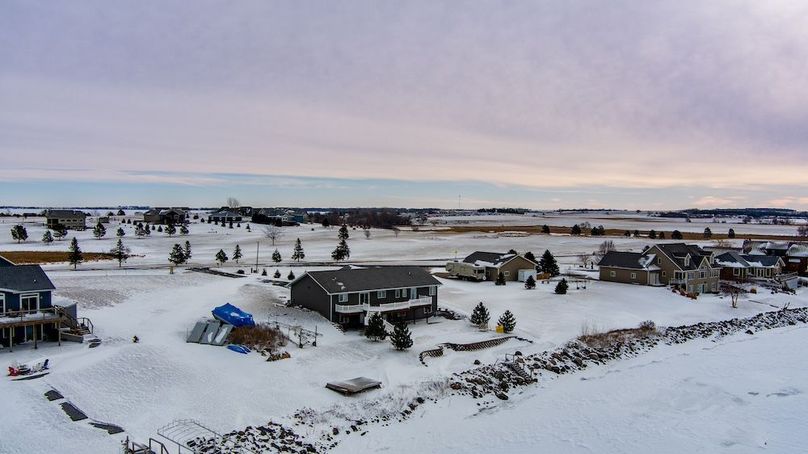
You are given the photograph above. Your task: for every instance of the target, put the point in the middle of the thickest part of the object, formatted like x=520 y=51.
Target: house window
x=413 y=293
x=433 y=290
x=658 y=261
x=381 y=294
x=634 y=275
x=506 y=273
x=29 y=303
x=736 y=271
x=612 y=274
x=344 y=319
x=2 y=303
x=664 y=273
x=343 y=298
x=427 y=309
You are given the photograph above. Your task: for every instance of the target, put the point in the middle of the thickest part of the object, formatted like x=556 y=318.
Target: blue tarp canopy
x=233 y=315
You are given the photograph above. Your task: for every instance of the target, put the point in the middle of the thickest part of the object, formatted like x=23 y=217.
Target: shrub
x=561 y=288
x=259 y=337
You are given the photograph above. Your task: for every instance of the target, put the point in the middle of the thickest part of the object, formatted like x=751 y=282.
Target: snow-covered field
x=682 y=396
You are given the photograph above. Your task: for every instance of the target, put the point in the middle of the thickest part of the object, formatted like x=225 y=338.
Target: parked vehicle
x=467 y=271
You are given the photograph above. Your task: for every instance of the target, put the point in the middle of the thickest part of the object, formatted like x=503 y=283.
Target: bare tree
x=605 y=247
x=733 y=292
x=583 y=258
x=367 y=233
x=233 y=202
x=396 y=231
x=273 y=232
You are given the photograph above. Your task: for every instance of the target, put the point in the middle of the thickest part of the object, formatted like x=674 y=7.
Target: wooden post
x=33 y=331
x=59 y=333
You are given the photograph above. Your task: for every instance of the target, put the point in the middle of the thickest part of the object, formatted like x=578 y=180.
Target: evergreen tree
x=375 y=329
x=171 y=230
x=276 y=256
x=342 y=251
x=147 y=230
x=231 y=224
x=160 y=229
x=529 y=255
x=576 y=230
x=500 y=279
x=530 y=283
x=652 y=234
x=99 y=231
x=298 y=254
x=676 y=235
x=731 y=233
x=221 y=257
x=480 y=315
x=291 y=275
x=512 y=251
x=507 y=321
x=277 y=274
x=548 y=264
x=561 y=288
x=74 y=255
x=187 y=250
x=343 y=233
x=153 y=227
x=120 y=232
x=264 y=272
x=177 y=255
x=400 y=337
x=47 y=237
x=545 y=229
x=18 y=233
x=636 y=233
x=237 y=253
x=120 y=252
x=627 y=234
x=140 y=231
x=184 y=229
x=707 y=233
x=325 y=223
x=59 y=232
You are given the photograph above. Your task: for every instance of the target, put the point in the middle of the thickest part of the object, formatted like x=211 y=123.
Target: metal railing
x=382 y=307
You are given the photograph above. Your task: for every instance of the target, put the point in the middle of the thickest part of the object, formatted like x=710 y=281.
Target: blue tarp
x=233 y=315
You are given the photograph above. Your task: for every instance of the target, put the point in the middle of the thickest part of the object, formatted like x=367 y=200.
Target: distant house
x=495 y=262
x=740 y=267
x=69 y=219
x=165 y=216
x=681 y=265
x=796 y=259
x=225 y=216
x=277 y=216
x=348 y=296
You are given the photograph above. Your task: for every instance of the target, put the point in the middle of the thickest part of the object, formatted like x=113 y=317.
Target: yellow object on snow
x=500 y=329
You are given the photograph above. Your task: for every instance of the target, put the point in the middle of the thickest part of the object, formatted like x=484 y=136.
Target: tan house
x=680 y=265
x=509 y=264
x=69 y=219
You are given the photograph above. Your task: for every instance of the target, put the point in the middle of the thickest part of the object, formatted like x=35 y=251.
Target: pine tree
x=231 y=224
x=18 y=233
x=298 y=254
x=177 y=255
x=153 y=227
x=529 y=255
x=530 y=282
x=652 y=234
x=140 y=231
x=171 y=230
x=47 y=237
x=291 y=275
x=512 y=251
x=276 y=256
x=120 y=252
x=545 y=229
x=160 y=229
x=707 y=233
x=375 y=328
x=500 y=279
x=342 y=251
x=277 y=274
x=237 y=253
x=147 y=230
x=59 y=231
x=636 y=233
x=627 y=234
x=221 y=257
x=74 y=255
x=731 y=233
x=548 y=264
x=99 y=231
x=343 y=233
x=184 y=229
x=120 y=232
x=187 y=251
x=676 y=235
x=264 y=272
x=576 y=230
x=507 y=321
x=480 y=315
x=561 y=288
x=400 y=337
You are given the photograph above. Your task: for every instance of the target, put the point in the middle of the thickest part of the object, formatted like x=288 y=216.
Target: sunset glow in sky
x=540 y=104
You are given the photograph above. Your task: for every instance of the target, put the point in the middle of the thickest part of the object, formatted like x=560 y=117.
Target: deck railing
x=383 y=307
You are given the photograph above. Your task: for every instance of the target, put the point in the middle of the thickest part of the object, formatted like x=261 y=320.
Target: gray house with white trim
x=348 y=296
x=25 y=290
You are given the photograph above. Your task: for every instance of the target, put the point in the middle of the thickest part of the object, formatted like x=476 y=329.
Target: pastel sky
x=539 y=104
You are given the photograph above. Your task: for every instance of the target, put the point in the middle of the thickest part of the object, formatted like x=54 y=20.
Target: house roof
x=678 y=251
x=493 y=259
x=226 y=214
x=347 y=279
x=24 y=278
x=64 y=213
x=632 y=260
x=798 y=250
x=731 y=259
x=762 y=260
x=5 y=262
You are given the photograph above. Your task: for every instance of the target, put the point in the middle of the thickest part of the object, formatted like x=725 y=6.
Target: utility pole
x=257 y=246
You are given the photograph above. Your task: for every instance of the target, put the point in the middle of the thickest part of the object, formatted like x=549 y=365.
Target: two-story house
x=496 y=262
x=349 y=296
x=740 y=267
x=25 y=293
x=680 y=265
x=69 y=219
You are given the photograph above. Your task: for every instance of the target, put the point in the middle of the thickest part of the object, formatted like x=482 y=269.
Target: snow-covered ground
x=146 y=385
